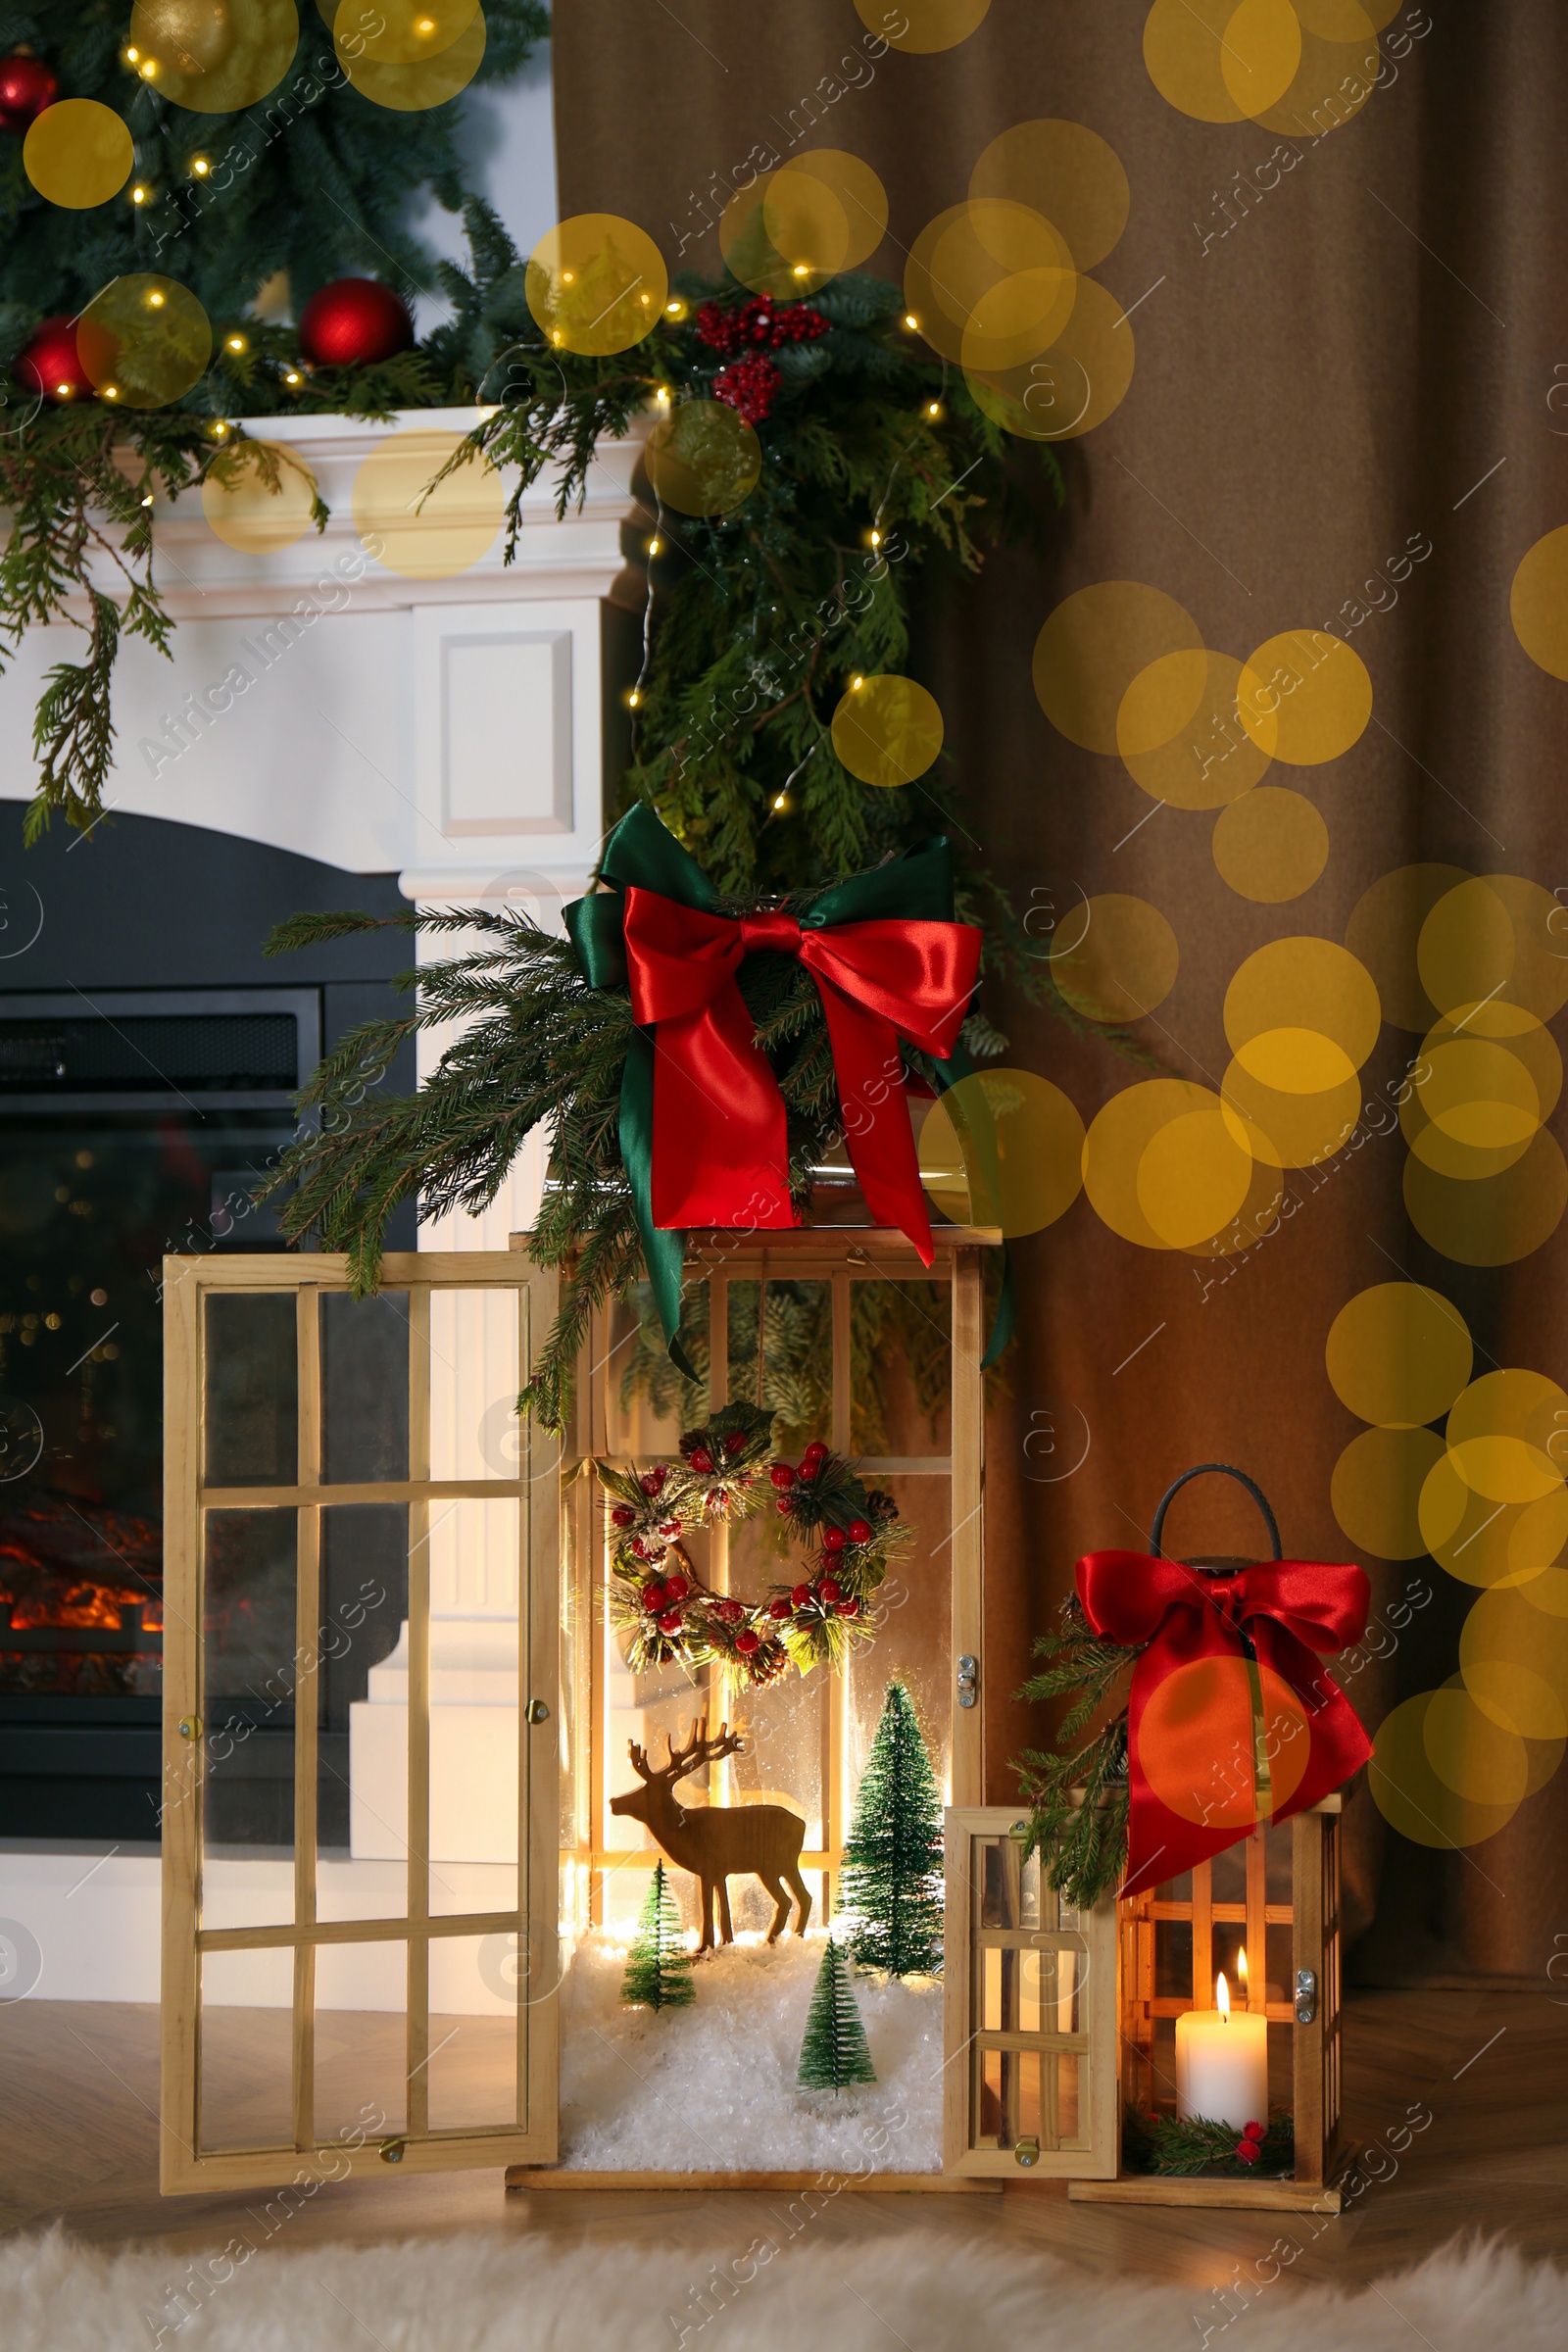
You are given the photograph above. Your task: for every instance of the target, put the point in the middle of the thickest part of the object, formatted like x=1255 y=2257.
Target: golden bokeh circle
x=1193 y=1177
x=1537 y=601
x=1301 y=1014
x=247 y=512
x=928 y=24
x=1397 y=1356
x=1004 y=1132
x=1195 y=1741
x=1513 y=1655
x=1271 y=845
x=144 y=341
x=702 y=459
x=886 y=731
x=1184 y=1179
x=77 y=153
x=596 y=284
x=1332 y=80
x=1485 y=1542
x=860 y=195
x=1508 y=1435
x=404 y=33
x=1310 y=699
x=1376 y=1489
x=1495 y=936
x=1119 y=961
x=408 y=89
x=1179 y=734
x=1065 y=171
x=993 y=279
x=1072 y=386
x=1384 y=933
x=214 y=56
x=1219 y=62
x=1470 y=1752
x=420 y=533
x=807 y=230
x=1346 y=20
x=1092 y=648
x=1288 y=1129
x=1491 y=1220
x=1409 y=1794
x=1472 y=1109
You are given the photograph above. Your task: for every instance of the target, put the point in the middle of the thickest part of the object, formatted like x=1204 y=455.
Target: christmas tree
x=891 y=1881
x=835 y=2053
x=659 y=1967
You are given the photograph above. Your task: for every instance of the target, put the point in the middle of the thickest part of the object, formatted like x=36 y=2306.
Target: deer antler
x=698 y=1749
x=639 y=1761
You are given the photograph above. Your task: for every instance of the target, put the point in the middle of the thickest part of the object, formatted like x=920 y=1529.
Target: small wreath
x=727 y=1472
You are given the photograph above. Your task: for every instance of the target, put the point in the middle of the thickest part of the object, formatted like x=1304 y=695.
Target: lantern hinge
x=968 y=1681
x=1305 y=1995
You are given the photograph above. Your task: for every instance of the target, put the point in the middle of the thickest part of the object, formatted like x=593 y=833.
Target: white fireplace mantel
x=452 y=731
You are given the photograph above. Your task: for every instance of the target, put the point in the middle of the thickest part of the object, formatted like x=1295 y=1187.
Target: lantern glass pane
x=1280 y=1961
x=1228 y=1939
x=1175 y=1891
x=1228 y=1881
x=1173 y=1959
x=901 y=1398
x=1279 y=1845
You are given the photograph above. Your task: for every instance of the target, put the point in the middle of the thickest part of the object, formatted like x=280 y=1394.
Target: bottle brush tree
x=834 y=2054
x=659 y=1967
x=891 y=1879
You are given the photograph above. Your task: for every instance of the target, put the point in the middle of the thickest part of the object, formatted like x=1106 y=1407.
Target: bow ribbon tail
x=869 y=1069
x=664 y=1252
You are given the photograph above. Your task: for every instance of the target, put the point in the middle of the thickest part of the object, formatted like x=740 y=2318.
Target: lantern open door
x=361 y=1723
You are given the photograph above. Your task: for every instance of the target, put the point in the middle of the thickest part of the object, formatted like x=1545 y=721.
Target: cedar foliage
x=1079 y=1802
x=834 y=2054
x=890 y=1885
x=659 y=1967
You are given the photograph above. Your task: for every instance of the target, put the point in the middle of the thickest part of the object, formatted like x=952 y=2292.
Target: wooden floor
x=78 y=2086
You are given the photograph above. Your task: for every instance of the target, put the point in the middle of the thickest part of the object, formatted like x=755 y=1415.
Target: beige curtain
x=1340 y=414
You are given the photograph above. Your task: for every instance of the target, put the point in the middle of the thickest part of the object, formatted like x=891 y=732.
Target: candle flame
x=1222 y=1996
x=1240 y=1967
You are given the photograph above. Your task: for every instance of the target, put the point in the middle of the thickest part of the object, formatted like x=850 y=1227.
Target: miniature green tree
x=891 y=1880
x=659 y=1967
x=834 y=2053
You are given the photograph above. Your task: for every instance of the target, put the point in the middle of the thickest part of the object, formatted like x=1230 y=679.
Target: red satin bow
x=720 y=1154
x=1200 y=1707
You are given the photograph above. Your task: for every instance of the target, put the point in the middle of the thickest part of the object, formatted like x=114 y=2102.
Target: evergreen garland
x=891 y=1884
x=1079 y=1798
x=1188 y=2144
x=314 y=178
x=834 y=2054
x=659 y=1967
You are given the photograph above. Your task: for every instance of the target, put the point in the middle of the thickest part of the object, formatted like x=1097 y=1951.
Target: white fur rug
x=500 y=2293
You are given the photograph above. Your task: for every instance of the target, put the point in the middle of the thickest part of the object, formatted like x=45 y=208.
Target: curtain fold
x=1346 y=349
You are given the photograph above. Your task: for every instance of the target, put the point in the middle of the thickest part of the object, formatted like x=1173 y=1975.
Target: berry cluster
x=658 y=1600
x=759 y=325
x=747 y=387
x=1249 y=2147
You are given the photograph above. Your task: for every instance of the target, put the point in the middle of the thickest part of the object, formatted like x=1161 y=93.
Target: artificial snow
x=711 y=2089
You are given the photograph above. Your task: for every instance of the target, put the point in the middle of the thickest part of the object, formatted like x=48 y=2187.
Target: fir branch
x=1184 y=2146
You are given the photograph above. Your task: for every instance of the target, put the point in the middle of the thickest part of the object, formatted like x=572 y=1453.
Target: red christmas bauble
x=50 y=363
x=352 y=323
x=27 y=88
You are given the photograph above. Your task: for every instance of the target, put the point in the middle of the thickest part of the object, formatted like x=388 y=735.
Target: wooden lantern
x=395 y=1715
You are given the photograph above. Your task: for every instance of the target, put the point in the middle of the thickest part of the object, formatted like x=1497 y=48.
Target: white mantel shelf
x=459 y=732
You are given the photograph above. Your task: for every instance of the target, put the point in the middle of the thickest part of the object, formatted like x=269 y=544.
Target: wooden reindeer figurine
x=713 y=1840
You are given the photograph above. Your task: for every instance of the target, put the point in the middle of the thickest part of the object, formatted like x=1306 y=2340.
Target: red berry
x=656 y=1595
x=783 y=1502
x=622 y=1515
x=860 y=1531
x=782 y=1475
x=735 y=1442
x=730 y=1611
x=800 y=1595
x=746 y=1644
x=669 y=1623
x=1254 y=2131
x=638 y=1547
x=811 y=1465
x=833 y=1539
x=651 y=1481
x=778 y=1609
x=1247 y=2151
x=677 y=1586
x=848 y=1608
x=816 y=1451
x=702 y=1461
x=670 y=1527
x=714 y=1499
x=830 y=1589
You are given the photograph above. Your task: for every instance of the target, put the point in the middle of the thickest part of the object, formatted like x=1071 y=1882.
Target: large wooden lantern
x=413 y=1776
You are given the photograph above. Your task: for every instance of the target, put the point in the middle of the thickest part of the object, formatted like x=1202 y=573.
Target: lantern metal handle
x=1226 y=1470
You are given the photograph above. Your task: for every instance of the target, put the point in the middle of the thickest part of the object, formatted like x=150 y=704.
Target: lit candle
x=1222 y=2062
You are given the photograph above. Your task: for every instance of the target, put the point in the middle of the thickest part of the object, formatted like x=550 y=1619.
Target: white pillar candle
x=1222 y=2064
